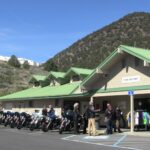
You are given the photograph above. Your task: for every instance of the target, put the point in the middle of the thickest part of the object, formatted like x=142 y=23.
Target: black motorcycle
x=50 y=124
x=35 y=123
x=24 y=121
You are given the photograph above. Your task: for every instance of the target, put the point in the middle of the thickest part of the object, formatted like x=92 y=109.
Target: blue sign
x=130 y=92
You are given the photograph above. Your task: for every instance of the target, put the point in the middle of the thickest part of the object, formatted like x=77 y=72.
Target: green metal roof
x=140 y=53
x=56 y=74
x=37 y=78
x=37 y=92
x=79 y=71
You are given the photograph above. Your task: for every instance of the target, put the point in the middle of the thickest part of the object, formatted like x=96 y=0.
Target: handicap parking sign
x=130 y=92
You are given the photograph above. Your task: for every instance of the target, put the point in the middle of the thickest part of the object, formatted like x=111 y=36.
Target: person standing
x=76 y=116
x=85 y=120
x=118 y=118
x=91 y=118
x=109 y=119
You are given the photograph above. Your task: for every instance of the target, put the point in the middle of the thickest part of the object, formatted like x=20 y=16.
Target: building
x=125 y=70
x=56 y=88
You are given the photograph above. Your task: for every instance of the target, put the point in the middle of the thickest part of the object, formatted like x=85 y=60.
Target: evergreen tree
x=13 y=61
x=50 y=66
x=26 y=65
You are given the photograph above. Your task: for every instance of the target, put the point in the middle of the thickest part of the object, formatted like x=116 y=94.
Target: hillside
x=132 y=30
x=14 y=79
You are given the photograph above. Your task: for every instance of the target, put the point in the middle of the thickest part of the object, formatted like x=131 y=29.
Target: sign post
x=131 y=94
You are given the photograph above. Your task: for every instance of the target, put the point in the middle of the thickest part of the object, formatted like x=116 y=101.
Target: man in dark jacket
x=76 y=117
x=118 y=118
x=85 y=120
x=109 y=119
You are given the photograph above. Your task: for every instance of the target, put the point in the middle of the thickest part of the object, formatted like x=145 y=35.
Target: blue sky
x=39 y=29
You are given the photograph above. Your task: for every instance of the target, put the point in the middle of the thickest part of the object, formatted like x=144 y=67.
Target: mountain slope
x=132 y=30
x=14 y=79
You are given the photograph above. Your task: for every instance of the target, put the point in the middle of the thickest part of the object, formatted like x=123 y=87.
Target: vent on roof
x=146 y=64
x=98 y=70
x=119 y=50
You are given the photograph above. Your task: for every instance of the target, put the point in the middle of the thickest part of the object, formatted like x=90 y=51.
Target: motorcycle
x=50 y=124
x=66 y=125
x=35 y=123
x=24 y=120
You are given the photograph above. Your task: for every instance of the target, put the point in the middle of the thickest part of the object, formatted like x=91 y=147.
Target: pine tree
x=26 y=65
x=50 y=66
x=13 y=61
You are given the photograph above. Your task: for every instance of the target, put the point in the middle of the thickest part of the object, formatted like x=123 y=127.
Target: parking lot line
x=65 y=138
x=119 y=140
x=100 y=144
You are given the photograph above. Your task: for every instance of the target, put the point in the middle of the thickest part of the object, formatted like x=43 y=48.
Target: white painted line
x=35 y=134
x=119 y=141
x=65 y=138
x=103 y=137
x=85 y=142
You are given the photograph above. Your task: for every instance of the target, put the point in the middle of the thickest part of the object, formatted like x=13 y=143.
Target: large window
x=123 y=63
x=56 y=102
x=104 y=105
x=31 y=104
x=136 y=61
x=75 y=78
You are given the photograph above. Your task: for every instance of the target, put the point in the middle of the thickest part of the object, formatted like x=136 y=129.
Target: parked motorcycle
x=35 y=123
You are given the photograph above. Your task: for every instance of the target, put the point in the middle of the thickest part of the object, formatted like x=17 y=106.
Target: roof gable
x=78 y=71
x=140 y=53
x=37 y=78
x=56 y=74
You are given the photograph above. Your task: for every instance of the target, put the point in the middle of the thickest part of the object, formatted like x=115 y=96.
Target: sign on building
x=130 y=79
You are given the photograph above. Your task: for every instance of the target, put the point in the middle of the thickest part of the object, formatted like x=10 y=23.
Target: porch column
x=132 y=112
x=91 y=99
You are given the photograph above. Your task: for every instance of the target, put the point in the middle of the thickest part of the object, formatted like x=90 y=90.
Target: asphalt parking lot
x=14 y=139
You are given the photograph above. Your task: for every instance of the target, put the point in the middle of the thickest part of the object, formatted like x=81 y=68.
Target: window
x=136 y=61
x=36 y=84
x=75 y=78
x=31 y=104
x=123 y=63
x=56 y=102
x=104 y=105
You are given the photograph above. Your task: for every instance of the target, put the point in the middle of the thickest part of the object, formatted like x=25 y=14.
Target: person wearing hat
x=76 y=116
x=91 y=118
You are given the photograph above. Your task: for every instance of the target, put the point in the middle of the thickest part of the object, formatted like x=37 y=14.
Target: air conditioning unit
x=146 y=64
